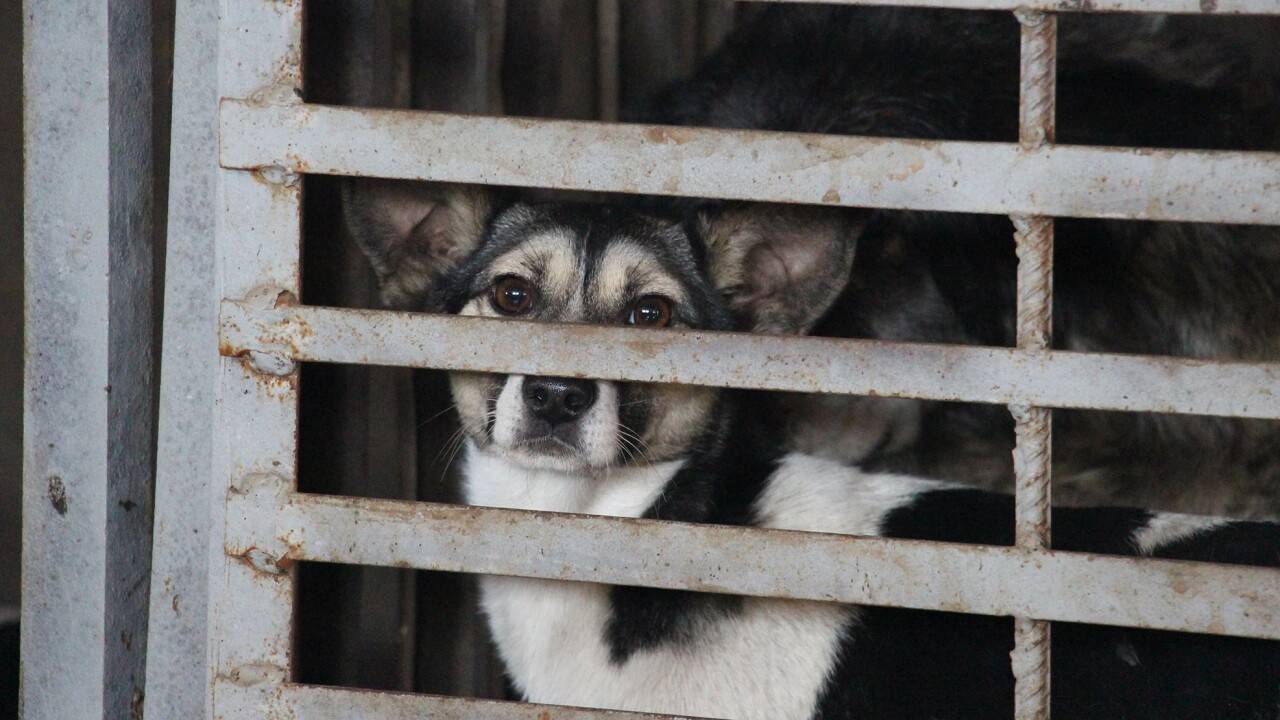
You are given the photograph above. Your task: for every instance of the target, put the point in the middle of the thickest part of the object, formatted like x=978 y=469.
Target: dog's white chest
x=769 y=661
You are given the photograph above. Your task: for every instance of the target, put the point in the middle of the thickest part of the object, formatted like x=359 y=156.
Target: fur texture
x=714 y=458
x=1155 y=288
x=677 y=652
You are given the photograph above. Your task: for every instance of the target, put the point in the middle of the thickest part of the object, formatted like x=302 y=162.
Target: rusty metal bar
x=1225 y=187
x=255 y=413
x=1072 y=587
x=1032 y=463
x=1187 y=7
x=1032 y=455
x=309 y=702
x=800 y=364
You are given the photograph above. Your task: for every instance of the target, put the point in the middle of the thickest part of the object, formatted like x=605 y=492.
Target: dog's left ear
x=414 y=232
x=780 y=267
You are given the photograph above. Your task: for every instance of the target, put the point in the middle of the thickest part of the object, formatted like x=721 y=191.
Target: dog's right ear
x=413 y=232
x=780 y=267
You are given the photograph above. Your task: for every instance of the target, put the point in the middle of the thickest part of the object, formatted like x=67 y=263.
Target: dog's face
x=443 y=248
x=592 y=264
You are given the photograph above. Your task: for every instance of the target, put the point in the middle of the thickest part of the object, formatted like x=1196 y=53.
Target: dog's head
x=451 y=249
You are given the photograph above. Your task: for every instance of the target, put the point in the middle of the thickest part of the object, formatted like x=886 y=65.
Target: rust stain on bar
x=953 y=176
x=799 y=364
x=289 y=700
x=1051 y=585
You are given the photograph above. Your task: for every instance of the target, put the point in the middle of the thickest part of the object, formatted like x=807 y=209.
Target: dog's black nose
x=558 y=400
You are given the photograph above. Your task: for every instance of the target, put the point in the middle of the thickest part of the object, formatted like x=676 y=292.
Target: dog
x=1179 y=289
x=702 y=454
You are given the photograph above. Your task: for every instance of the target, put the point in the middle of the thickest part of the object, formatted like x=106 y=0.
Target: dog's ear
x=413 y=232
x=780 y=266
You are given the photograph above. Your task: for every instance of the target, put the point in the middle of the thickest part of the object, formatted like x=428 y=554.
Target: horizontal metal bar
x=1227 y=187
x=1194 y=7
x=311 y=702
x=800 y=364
x=1072 y=587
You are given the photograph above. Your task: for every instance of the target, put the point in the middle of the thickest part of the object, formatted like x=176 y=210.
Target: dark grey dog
x=1174 y=289
x=1188 y=290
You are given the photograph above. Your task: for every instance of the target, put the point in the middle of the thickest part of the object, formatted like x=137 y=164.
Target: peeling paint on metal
x=58 y=494
x=1071 y=587
x=798 y=364
x=255 y=420
x=1005 y=178
x=294 y=701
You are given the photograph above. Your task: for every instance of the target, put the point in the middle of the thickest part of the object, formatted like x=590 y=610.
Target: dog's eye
x=512 y=295
x=650 y=311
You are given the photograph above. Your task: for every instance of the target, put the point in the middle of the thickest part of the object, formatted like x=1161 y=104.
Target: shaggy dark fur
x=1157 y=288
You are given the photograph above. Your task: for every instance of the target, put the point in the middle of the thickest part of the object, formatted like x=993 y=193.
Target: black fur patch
x=972 y=516
x=719 y=484
x=1236 y=543
x=1108 y=672
x=905 y=664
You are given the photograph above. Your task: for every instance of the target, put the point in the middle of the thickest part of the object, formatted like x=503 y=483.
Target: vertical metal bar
x=176 y=641
x=1031 y=652
x=88 y=407
x=608 y=24
x=255 y=413
x=1032 y=459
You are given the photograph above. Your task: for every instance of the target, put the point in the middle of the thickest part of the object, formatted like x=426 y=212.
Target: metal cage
x=268 y=138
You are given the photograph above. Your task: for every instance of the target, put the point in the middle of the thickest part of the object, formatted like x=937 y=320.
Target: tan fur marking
x=622 y=263
x=553 y=255
x=678 y=414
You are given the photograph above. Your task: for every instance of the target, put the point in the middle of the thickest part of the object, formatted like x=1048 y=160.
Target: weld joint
x=269 y=363
x=253 y=674
x=278 y=175
x=1029 y=16
x=265 y=563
